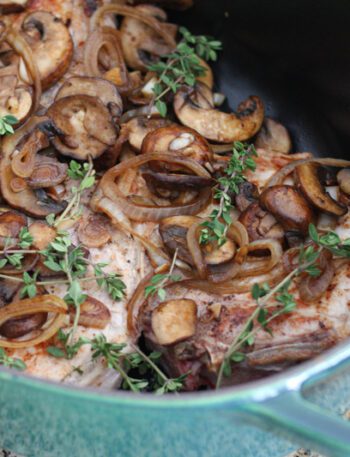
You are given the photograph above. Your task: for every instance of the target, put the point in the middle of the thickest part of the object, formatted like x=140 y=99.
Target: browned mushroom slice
x=12 y=6
x=16 y=98
x=24 y=160
x=93 y=313
x=42 y=234
x=8 y=289
x=20 y=326
x=260 y=224
x=86 y=126
x=180 y=141
x=51 y=44
x=93 y=232
x=288 y=206
x=176 y=181
x=247 y=194
x=343 y=178
x=137 y=129
x=216 y=125
x=273 y=136
x=173 y=231
x=174 y=321
x=141 y=45
x=95 y=87
x=208 y=78
x=11 y=224
x=309 y=183
x=48 y=172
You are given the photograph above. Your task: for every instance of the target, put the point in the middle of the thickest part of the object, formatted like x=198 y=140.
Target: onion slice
x=280 y=176
x=135 y=304
x=142 y=213
x=43 y=303
x=129 y=11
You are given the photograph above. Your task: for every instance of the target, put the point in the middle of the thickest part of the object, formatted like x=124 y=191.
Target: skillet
x=295 y=58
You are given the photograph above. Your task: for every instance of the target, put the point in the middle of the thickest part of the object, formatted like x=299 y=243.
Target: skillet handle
x=315 y=427
x=286 y=409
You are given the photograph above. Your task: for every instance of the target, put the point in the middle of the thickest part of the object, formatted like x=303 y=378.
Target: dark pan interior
x=294 y=55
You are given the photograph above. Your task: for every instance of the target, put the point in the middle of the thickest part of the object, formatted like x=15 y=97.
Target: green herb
x=67 y=350
x=111 y=282
x=6 y=123
x=11 y=362
x=272 y=303
x=85 y=175
x=182 y=66
x=159 y=281
x=330 y=241
x=215 y=229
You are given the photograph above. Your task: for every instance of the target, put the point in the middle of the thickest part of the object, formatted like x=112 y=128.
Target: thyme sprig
x=159 y=281
x=182 y=66
x=116 y=358
x=242 y=159
x=11 y=362
x=6 y=123
x=274 y=302
x=84 y=174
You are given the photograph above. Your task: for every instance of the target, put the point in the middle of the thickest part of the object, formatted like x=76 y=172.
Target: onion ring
x=43 y=303
x=141 y=213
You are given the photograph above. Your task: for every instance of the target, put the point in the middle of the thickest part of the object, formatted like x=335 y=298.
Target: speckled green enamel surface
x=47 y=420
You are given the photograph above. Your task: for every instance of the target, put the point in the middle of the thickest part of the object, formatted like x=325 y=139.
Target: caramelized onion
x=236 y=285
x=136 y=303
x=285 y=171
x=123 y=10
x=312 y=288
x=153 y=213
x=43 y=303
x=93 y=313
x=156 y=255
x=108 y=40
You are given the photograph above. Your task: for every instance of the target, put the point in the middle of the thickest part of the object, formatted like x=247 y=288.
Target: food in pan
x=151 y=239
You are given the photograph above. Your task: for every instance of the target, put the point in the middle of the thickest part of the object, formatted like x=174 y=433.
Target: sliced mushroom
x=176 y=181
x=93 y=313
x=247 y=194
x=137 y=129
x=11 y=224
x=288 y=206
x=216 y=125
x=142 y=45
x=51 y=44
x=95 y=87
x=42 y=234
x=8 y=289
x=48 y=172
x=180 y=141
x=208 y=78
x=173 y=231
x=260 y=224
x=20 y=326
x=343 y=178
x=12 y=6
x=307 y=180
x=93 y=231
x=85 y=124
x=174 y=321
x=24 y=159
x=273 y=136
x=217 y=255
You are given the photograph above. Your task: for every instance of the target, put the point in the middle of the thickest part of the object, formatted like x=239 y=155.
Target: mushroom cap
x=51 y=44
x=216 y=125
x=141 y=45
x=84 y=124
